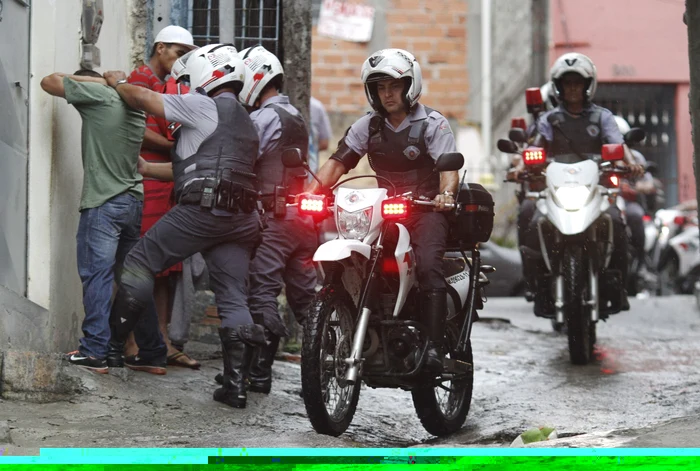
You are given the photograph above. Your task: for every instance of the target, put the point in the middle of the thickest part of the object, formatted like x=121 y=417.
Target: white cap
x=175 y=34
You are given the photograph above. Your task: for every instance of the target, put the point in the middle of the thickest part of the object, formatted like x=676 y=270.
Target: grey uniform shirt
x=610 y=133
x=268 y=122
x=438 y=135
x=199 y=118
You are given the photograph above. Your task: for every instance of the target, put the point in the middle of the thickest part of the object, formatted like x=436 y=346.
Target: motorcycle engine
x=402 y=342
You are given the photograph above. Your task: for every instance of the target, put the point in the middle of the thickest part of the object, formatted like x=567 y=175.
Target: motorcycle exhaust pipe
x=357 y=344
x=559 y=301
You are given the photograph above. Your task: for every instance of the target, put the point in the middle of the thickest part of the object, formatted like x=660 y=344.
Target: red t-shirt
x=145 y=77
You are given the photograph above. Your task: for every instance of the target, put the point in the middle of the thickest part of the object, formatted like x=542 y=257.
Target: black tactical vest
x=402 y=157
x=269 y=168
x=572 y=136
x=231 y=149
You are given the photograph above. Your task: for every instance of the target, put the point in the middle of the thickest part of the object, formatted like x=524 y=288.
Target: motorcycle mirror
x=291 y=158
x=517 y=135
x=449 y=161
x=634 y=136
x=509 y=147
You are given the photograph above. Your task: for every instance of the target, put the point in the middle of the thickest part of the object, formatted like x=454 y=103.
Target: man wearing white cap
x=171 y=43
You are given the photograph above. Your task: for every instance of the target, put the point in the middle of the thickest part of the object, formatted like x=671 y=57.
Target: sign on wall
x=347 y=21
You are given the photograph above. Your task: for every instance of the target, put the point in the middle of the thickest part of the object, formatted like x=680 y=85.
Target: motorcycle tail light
x=614 y=181
x=534 y=156
x=612 y=152
x=396 y=208
x=311 y=205
x=679 y=220
x=646 y=218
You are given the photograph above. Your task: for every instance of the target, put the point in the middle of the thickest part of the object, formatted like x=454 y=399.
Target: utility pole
x=540 y=42
x=692 y=20
x=296 y=52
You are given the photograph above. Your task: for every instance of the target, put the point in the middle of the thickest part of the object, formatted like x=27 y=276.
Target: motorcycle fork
x=474 y=271
x=592 y=248
x=354 y=362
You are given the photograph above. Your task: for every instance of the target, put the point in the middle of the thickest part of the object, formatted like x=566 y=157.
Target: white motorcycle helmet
x=547 y=92
x=262 y=68
x=215 y=65
x=392 y=63
x=576 y=63
x=179 y=69
x=622 y=125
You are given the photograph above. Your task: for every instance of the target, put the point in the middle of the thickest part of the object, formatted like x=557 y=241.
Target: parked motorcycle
x=680 y=262
x=576 y=241
x=365 y=324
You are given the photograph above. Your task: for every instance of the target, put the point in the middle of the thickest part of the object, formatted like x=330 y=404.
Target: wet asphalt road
x=646 y=372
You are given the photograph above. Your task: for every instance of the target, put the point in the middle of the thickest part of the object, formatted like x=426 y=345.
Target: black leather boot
x=261 y=364
x=434 y=317
x=260 y=375
x=125 y=313
x=237 y=345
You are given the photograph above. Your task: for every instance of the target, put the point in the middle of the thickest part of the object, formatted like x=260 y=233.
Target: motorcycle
x=365 y=325
x=680 y=262
x=576 y=241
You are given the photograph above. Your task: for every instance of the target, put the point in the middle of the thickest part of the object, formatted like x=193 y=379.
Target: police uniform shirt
x=610 y=133
x=199 y=118
x=268 y=123
x=439 y=138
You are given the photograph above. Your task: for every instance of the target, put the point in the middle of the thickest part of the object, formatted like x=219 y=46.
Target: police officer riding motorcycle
x=572 y=132
x=403 y=139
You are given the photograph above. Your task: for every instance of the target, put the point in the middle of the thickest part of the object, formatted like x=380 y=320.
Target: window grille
x=258 y=22
x=203 y=21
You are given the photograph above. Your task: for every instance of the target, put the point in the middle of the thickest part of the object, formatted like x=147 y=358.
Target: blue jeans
x=105 y=235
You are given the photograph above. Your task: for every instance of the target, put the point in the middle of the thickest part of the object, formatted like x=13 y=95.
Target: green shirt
x=111 y=140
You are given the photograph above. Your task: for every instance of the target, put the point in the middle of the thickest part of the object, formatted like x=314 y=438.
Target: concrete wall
x=55 y=166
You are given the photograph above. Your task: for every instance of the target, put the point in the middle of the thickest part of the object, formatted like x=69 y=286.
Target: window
x=254 y=22
x=203 y=21
x=258 y=22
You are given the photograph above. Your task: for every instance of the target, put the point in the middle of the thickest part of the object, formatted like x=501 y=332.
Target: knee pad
x=126 y=312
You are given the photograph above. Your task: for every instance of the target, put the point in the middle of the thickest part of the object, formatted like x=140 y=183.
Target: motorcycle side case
x=473 y=222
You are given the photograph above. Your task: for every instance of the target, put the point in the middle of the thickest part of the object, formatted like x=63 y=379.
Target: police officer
x=403 y=139
x=570 y=132
x=216 y=212
x=285 y=256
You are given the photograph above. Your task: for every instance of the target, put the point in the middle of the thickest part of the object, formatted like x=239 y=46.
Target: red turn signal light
x=534 y=156
x=396 y=208
x=311 y=204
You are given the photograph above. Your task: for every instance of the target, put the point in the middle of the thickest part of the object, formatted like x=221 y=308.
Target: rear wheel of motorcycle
x=443 y=409
x=580 y=329
x=330 y=402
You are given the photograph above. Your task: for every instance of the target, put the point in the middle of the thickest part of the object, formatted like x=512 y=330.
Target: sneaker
x=91 y=363
x=153 y=366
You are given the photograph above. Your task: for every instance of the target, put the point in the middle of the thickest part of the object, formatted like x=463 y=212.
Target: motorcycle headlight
x=354 y=225
x=572 y=198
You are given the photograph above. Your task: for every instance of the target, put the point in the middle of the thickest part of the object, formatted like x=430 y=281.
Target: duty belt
x=227 y=195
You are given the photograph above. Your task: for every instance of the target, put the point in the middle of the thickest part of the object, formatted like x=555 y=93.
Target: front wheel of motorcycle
x=328 y=331
x=580 y=329
x=443 y=409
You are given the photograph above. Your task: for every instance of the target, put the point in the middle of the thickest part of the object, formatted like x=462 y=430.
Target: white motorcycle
x=576 y=242
x=680 y=262
x=365 y=325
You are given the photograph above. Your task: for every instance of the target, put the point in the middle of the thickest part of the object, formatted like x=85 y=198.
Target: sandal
x=181 y=359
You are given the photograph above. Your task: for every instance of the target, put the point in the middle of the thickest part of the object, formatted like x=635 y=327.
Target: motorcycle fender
x=575 y=222
x=340 y=249
x=406 y=261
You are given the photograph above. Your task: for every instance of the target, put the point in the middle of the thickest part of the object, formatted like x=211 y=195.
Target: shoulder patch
x=445 y=128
